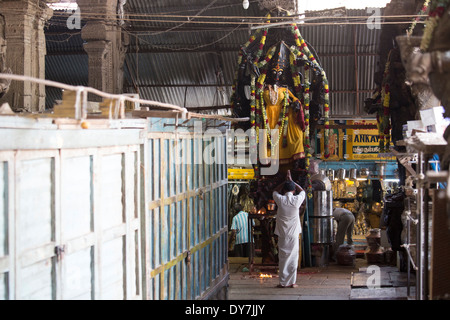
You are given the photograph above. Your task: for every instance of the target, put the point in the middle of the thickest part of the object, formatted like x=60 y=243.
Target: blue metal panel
x=187 y=220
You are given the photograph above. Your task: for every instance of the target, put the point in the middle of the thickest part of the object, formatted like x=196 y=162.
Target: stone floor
x=332 y=282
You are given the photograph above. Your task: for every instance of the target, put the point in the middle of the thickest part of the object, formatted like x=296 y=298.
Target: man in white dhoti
x=288 y=229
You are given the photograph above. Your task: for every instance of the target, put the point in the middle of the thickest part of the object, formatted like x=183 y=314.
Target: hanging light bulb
x=245 y=4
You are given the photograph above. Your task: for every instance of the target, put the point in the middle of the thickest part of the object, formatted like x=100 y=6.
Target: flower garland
x=253 y=108
x=254 y=115
x=326 y=108
x=253 y=136
x=386 y=126
x=240 y=55
x=436 y=12
x=383 y=117
x=282 y=121
x=295 y=75
x=421 y=12
x=239 y=61
x=302 y=51
x=258 y=113
x=305 y=54
x=260 y=108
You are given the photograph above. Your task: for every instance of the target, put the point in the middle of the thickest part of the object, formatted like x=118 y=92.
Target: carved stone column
x=105 y=45
x=4 y=84
x=25 y=51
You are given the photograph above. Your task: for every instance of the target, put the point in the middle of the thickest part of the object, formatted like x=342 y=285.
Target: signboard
x=349 y=140
x=335 y=144
x=363 y=144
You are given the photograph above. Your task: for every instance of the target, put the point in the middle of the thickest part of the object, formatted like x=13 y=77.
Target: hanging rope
x=85 y=90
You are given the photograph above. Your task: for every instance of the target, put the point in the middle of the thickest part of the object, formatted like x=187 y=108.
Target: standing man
x=288 y=229
x=239 y=226
x=345 y=221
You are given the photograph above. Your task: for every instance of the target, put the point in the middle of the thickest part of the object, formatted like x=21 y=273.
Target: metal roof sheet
x=195 y=68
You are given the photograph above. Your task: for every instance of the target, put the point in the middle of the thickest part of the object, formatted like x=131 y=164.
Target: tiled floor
x=333 y=282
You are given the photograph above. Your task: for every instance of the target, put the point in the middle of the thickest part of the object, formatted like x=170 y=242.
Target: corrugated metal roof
x=69 y=69
x=179 y=67
x=349 y=55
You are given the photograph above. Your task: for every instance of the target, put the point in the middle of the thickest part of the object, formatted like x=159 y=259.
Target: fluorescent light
x=63 y=6
x=312 y=5
x=245 y=4
x=391 y=180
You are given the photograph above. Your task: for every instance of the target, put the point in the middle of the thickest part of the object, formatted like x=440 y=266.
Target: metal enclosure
x=186 y=210
x=322 y=219
x=107 y=214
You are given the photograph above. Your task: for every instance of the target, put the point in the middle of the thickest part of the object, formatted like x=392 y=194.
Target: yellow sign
x=352 y=144
x=363 y=144
x=247 y=174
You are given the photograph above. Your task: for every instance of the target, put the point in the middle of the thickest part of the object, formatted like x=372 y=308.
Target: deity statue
x=282 y=110
x=280 y=85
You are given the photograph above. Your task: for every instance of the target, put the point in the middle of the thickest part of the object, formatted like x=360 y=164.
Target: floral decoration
x=437 y=9
x=258 y=115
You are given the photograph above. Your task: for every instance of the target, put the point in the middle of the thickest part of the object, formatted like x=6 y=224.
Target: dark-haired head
x=289 y=186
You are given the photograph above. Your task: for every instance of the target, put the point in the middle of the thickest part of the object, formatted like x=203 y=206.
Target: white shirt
x=288 y=213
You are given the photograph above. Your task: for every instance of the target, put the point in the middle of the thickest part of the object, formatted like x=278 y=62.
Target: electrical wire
x=195 y=18
x=181 y=24
x=254 y=22
x=359 y=20
x=193 y=48
x=362 y=21
x=80 y=108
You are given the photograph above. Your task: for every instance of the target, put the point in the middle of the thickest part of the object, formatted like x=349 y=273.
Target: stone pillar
x=105 y=45
x=4 y=84
x=25 y=51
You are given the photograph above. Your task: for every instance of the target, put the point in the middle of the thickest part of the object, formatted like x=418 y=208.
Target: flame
x=265 y=275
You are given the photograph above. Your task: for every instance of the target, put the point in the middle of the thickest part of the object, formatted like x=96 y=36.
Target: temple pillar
x=105 y=44
x=25 y=51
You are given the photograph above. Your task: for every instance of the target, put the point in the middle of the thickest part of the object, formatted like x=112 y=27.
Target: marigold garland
x=437 y=10
x=422 y=11
x=254 y=114
x=258 y=115
x=383 y=117
x=282 y=121
x=303 y=52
